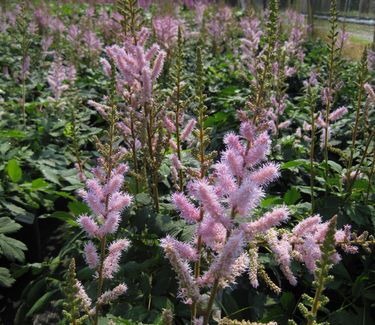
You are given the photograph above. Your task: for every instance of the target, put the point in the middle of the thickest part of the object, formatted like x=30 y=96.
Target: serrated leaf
x=50 y=174
x=19 y=213
x=294 y=163
x=292 y=196
x=78 y=208
x=6 y=279
x=8 y=225
x=12 y=248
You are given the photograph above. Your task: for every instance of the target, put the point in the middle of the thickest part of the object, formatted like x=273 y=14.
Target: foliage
x=52 y=56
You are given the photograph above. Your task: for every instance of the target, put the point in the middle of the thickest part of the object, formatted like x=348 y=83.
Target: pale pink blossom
x=188 y=211
x=91 y=255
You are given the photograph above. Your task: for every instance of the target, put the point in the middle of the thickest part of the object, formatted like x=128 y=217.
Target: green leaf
x=14 y=170
x=20 y=214
x=335 y=166
x=6 y=279
x=270 y=200
x=38 y=183
x=50 y=174
x=41 y=302
x=8 y=225
x=78 y=208
x=12 y=134
x=292 y=196
x=12 y=248
x=294 y=163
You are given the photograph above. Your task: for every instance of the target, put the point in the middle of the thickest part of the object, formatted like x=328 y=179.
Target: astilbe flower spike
x=106 y=201
x=234 y=189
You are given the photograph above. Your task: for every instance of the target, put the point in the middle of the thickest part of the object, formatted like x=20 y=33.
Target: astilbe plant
x=179 y=133
x=228 y=233
x=268 y=64
x=60 y=77
x=106 y=200
x=218 y=27
x=137 y=69
x=166 y=31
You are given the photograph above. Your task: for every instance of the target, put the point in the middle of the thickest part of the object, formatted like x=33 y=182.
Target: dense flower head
x=111 y=262
x=137 y=67
x=222 y=207
x=166 y=30
x=60 y=77
x=105 y=198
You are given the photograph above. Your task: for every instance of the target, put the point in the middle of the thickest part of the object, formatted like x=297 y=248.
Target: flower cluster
x=233 y=191
x=166 y=30
x=223 y=207
x=137 y=68
x=60 y=77
x=107 y=201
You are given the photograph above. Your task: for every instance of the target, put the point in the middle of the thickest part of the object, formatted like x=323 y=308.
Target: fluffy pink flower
x=107 y=69
x=176 y=162
x=307 y=225
x=247 y=130
x=282 y=249
x=188 y=211
x=206 y=195
x=114 y=184
x=338 y=113
x=158 y=65
x=189 y=291
x=265 y=174
x=370 y=92
x=111 y=262
x=213 y=233
x=88 y=225
x=259 y=150
x=169 y=124
x=246 y=197
x=269 y=220
x=285 y=124
x=113 y=294
x=82 y=296
x=185 y=250
x=118 y=201
x=234 y=161
x=91 y=255
x=221 y=268
x=225 y=183
x=110 y=225
x=188 y=129
x=233 y=142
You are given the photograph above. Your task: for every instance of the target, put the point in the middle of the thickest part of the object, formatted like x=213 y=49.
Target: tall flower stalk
x=104 y=196
x=311 y=94
x=362 y=76
x=137 y=71
x=328 y=91
x=200 y=155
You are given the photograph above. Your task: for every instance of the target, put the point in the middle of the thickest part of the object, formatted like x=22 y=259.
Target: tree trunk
x=310 y=17
x=364 y=6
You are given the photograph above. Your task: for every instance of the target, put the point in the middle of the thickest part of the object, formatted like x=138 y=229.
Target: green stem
x=103 y=239
x=351 y=180
x=214 y=290
x=312 y=150
x=370 y=176
x=356 y=124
